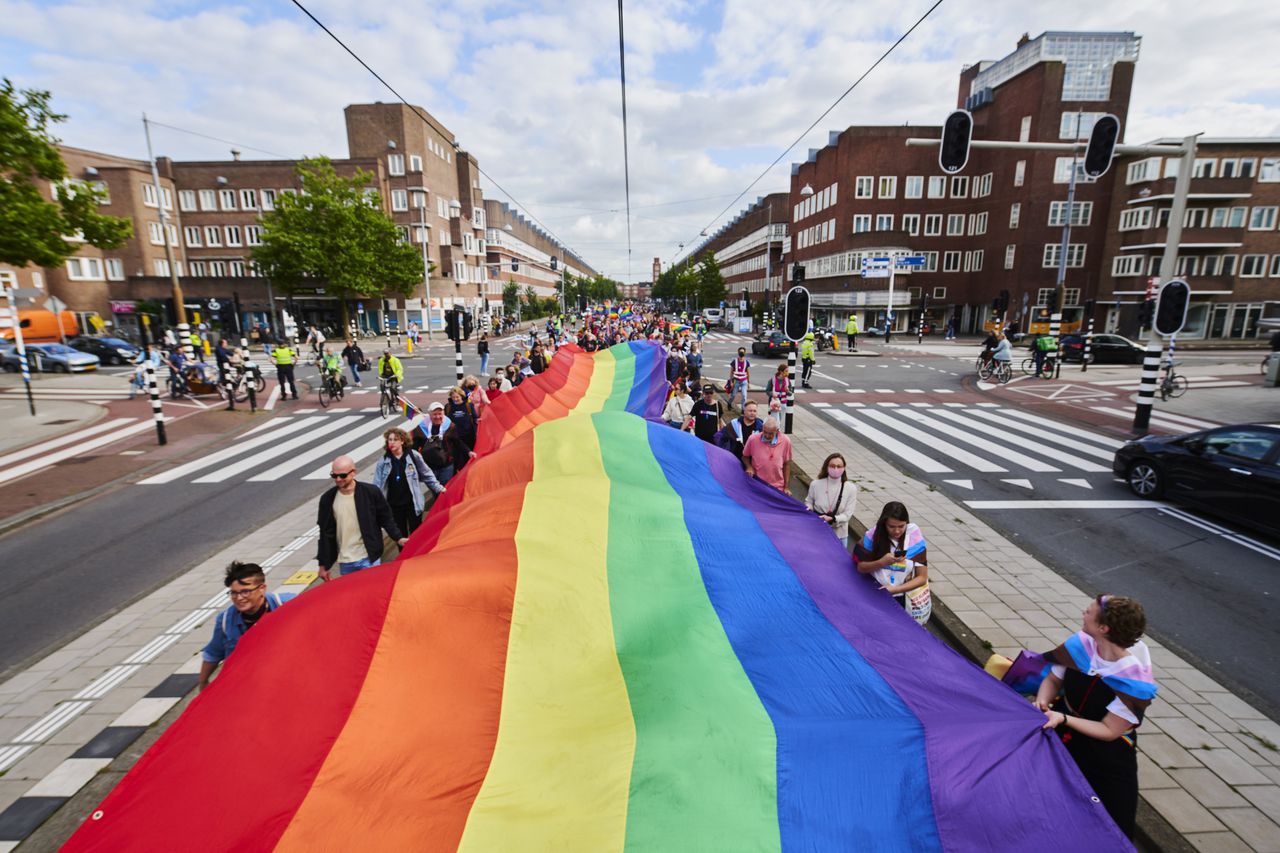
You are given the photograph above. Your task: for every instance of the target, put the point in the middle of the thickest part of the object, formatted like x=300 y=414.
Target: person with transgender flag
x=1095 y=690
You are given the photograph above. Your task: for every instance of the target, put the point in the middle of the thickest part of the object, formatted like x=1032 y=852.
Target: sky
x=715 y=90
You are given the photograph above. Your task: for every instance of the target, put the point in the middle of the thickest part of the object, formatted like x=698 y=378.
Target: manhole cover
x=60 y=422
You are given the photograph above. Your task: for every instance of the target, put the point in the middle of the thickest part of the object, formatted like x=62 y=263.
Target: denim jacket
x=416 y=472
x=229 y=627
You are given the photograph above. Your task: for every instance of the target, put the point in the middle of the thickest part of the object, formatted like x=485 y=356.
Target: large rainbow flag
x=606 y=638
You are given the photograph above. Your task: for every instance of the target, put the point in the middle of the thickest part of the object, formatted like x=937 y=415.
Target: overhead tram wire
x=626 y=157
x=155 y=123
x=426 y=120
x=806 y=131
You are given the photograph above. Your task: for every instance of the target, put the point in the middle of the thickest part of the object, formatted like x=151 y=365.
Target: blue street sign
x=911 y=261
x=866 y=262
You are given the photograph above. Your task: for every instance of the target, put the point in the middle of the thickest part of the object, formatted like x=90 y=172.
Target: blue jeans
x=738 y=386
x=484 y=364
x=348 y=568
x=355 y=372
x=444 y=474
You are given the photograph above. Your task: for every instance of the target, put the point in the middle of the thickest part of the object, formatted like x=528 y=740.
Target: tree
x=533 y=305
x=33 y=230
x=510 y=297
x=336 y=235
x=708 y=288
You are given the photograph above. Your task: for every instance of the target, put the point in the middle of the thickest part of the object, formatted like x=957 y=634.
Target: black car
x=772 y=343
x=1106 y=349
x=1231 y=471
x=108 y=350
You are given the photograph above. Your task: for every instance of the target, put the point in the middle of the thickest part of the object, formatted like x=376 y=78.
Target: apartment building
x=749 y=250
x=520 y=252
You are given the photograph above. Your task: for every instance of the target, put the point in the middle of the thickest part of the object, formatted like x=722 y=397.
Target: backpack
x=1044 y=343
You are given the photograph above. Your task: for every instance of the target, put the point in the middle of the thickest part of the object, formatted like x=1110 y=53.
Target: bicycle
x=984 y=365
x=330 y=389
x=1046 y=370
x=1174 y=384
x=388 y=396
x=1002 y=371
x=241 y=380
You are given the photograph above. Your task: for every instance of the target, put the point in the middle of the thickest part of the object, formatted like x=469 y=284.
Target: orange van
x=41 y=327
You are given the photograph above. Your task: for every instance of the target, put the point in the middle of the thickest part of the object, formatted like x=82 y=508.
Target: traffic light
x=797 y=272
x=957 y=130
x=1102 y=146
x=515 y=265
x=1146 y=311
x=554 y=261
x=1171 y=307
x=924 y=302
x=451 y=324
x=795 y=318
x=468 y=326
x=1088 y=307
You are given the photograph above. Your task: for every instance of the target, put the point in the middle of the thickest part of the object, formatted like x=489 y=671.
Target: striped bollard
x=26 y=376
x=153 y=392
x=1055 y=332
x=791 y=392
x=1088 y=347
x=230 y=383
x=1147 y=386
x=457 y=356
x=246 y=365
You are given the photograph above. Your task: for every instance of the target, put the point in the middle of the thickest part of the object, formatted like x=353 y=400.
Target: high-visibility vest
x=282 y=355
x=851 y=328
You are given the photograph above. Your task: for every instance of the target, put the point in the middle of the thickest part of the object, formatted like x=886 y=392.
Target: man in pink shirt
x=767 y=456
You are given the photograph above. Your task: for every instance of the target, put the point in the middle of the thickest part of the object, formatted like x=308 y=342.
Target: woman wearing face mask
x=894 y=551
x=833 y=497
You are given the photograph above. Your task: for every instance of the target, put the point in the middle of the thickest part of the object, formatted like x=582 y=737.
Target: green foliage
x=336 y=235
x=708 y=287
x=33 y=230
x=510 y=297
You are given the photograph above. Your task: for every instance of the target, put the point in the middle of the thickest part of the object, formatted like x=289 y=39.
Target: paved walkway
x=1208 y=762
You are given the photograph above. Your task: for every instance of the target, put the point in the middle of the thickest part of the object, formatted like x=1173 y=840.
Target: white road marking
x=964 y=484
x=1026 y=484
x=908 y=454
x=982 y=440
x=233 y=469
x=895 y=422
x=191 y=467
x=1034 y=504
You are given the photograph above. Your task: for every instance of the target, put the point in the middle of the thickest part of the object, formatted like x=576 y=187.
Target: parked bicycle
x=388 y=396
x=1174 y=384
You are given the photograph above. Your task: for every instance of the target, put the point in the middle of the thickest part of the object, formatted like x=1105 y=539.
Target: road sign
x=876 y=262
x=911 y=261
x=1026 y=297
x=875 y=272
x=26 y=293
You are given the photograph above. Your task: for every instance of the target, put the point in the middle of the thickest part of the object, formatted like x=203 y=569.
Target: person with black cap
x=707 y=415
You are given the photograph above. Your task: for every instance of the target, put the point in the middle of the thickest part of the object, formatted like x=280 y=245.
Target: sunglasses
x=341 y=476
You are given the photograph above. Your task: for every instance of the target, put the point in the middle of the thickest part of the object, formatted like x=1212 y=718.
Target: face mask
x=835 y=473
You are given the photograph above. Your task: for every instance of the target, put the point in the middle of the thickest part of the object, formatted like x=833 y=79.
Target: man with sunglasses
x=247 y=588
x=352 y=517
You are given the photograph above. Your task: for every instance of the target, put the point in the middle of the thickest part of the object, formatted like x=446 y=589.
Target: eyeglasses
x=341 y=476
x=244 y=593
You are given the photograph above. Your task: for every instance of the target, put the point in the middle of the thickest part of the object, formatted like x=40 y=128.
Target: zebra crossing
x=299 y=447
x=997 y=443
x=37 y=457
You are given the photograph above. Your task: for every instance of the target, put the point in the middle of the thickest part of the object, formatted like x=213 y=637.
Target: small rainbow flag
x=604 y=638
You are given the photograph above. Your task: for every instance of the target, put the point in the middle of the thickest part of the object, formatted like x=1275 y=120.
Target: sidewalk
x=1209 y=764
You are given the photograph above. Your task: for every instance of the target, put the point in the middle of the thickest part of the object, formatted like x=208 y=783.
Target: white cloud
x=531 y=88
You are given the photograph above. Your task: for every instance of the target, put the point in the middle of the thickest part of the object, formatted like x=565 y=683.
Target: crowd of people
x=1095 y=688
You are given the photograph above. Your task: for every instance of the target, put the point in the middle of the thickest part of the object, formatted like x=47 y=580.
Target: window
x=227 y=199
x=399 y=200
x=192 y=235
x=268 y=199
x=1218 y=218
x=1187 y=265
x=939 y=293
x=960 y=186
x=888 y=187
x=861 y=223
x=1248 y=167
x=1081 y=213
x=955 y=224
x=1235 y=219
x=1162 y=217
x=218 y=269
x=168 y=199
x=1062 y=171
x=932 y=224
x=212 y=235
x=1274 y=272
x=104 y=192
x=149 y=195
x=1230 y=168
x=1020 y=173
x=253 y=235
x=973 y=261
x=187 y=200
x=1009 y=252
x=1069 y=129
x=1125 y=265
x=444 y=237
x=115 y=269
x=951 y=261
x=982 y=224
x=1229 y=264
x=459 y=271
x=1205 y=167
x=983 y=188
x=835 y=188
x=1044 y=296
x=208 y=200
x=1262 y=218
x=914 y=187
x=84 y=268
x=911 y=223
x=937 y=187
x=1143 y=170
x=1253 y=266
x=1251 y=444
x=237 y=268
x=884 y=221
x=248 y=199
x=1053 y=251
x=1015 y=215
x=395 y=164
x=1195 y=217
x=1212 y=264
x=415 y=162
x=1024 y=132
x=161 y=266
x=930 y=262
x=862 y=186
x=418 y=200
x=155 y=233
x=233 y=235
x=421 y=234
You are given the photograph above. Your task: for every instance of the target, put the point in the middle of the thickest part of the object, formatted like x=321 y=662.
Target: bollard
x=1088 y=347
x=247 y=365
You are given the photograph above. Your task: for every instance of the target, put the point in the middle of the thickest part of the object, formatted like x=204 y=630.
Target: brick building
x=749 y=250
x=519 y=251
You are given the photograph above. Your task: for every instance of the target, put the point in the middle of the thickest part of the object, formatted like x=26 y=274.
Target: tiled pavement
x=1208 y=762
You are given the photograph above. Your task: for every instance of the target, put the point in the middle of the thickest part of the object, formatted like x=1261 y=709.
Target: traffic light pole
x=1055 y=316
x=1168 y=266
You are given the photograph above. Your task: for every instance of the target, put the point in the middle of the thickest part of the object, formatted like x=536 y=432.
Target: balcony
x=1192 y=238
x=1162 y=190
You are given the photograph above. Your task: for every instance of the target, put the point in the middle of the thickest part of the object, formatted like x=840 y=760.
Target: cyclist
x=1040 y=349
x=1003 y=352
x=315 y=337
x=331 y=368
x=391 y=371
x=177 y=378
x=988 y=346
